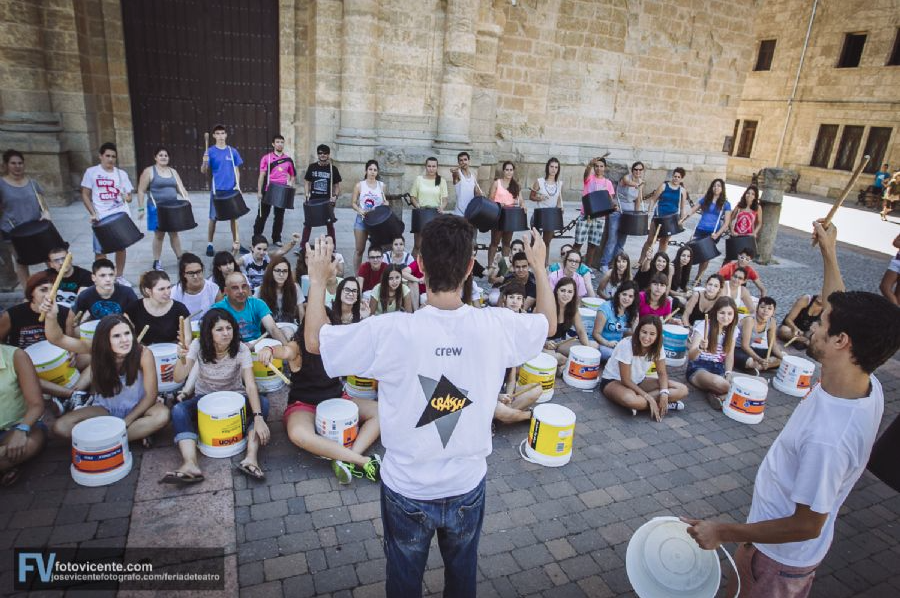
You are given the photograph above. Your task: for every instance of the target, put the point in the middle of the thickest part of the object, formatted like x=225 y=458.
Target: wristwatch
x=22 y=428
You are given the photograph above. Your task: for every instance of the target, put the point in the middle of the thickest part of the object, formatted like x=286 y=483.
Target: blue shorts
x=713 y=367
x=152 y=220
x=359 y=224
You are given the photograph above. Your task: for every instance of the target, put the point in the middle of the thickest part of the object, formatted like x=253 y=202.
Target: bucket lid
x=221 y=402
x=587 y=312
x=266 y=342
x=675 y=329
x=799 y=362
x=89 y=325
x=336 y=409
x=98 y=432
x=163 y=349
x=663 y=561
x=542 y=361
x=554 y=415
x=582 y=352
x=754 y=385
x=43 y=352
x=592 y=302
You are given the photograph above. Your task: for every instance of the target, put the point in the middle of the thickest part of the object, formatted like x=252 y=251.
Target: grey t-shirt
x=18 y=205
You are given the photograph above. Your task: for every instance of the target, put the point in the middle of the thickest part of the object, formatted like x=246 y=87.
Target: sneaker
x=58 y=407
x=278 y=243
x=714 y=401
x=78 y=400
x=372 y=470
x=676 y=406
x=342 y=472
x=123 y=281
x=244 y=250
x=157 y=265
x=210 y=252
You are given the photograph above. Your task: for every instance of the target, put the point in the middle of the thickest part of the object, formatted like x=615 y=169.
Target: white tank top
x=552 y=190
x=465 y=191
x=370 y=198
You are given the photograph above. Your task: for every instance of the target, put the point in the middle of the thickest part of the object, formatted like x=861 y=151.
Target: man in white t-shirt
x=438 y=372
x=105 y=190
x=465 y=184
x=822 y=450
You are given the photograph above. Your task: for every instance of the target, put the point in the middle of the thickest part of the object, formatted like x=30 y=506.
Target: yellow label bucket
x=550 y=436
x=540 y=369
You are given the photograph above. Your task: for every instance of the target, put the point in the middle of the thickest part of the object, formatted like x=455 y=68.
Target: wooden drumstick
x=59 y=276
x=705 y=325
x=671 y=315
x=655 y=235
x=524 y=389
x=279 y=374
x=252 y=344
x=844 y=194
x=143 y=332
x=788 y=344
x=77 y=319
x=206 y=142
x=771 y=343
x=181 y=331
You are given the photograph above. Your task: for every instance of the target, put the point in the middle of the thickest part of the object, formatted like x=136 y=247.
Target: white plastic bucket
x=52 y=364
x=195 y=328
x=794 y=376
x=86 y=329
x=550 y=436
x=593 y=303
x=100 y=453
x=266 y=380
x=494 y=297
x=288 y=329
x=588 y=316
x=166 y=356
x=220 y=421
x=423 y=299
x=338 y=420
x=675 y=342
x=540 y=369
x=746 y=401
x=663 y=561
x=582 y=368
x=361 y=388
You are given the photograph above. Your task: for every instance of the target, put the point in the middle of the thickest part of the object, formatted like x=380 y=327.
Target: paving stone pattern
x=547 y=531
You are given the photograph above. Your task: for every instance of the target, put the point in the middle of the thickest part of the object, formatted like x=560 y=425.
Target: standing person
x=715 y=218
x=368 y=194
x=275 y=167
x=891 y=194
x=822 y=451
x=156 y=311
x=323 y=183
x=197 y=293
x=21 y=201
x=224 y=162
x=435 y=411
x=75 y=278
x=890 y=282
x=629 y=198
x=547 y=192
x=105 y=190
x=748 y=214
x=465 y=183
x=163 y=184
x=587 y=229
x=881 y=177
x=428 y=191
x=506 y=192
x=668 y=199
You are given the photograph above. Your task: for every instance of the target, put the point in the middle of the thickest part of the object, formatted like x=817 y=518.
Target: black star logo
x=445 y=404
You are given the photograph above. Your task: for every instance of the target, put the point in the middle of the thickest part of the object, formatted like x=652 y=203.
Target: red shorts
x=301 y=406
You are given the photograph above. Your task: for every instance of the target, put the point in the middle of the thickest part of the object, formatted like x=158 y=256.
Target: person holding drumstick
x=163 y=185
x=465 y=183
x=21 y=201
x=715 y=218
x=275 y=167
x=629 y=197
x=368 y=194
x=323 y=183
x=668 y=199
x=428 y=191
x=590 y=230
x=506 y=192
x=223 y=161
x=547 y=192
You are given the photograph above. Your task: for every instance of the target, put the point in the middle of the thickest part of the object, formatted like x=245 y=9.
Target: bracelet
x=21 y=427
x=664 y=391
x=258 y=414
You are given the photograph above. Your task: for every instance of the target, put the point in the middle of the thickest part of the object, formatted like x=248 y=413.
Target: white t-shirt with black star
x=438 y=372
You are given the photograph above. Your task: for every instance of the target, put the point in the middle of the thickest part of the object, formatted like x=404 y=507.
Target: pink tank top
x=503 y=196
x=744 y=222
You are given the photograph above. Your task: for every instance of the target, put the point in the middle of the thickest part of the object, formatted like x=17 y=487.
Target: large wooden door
x=195 y=63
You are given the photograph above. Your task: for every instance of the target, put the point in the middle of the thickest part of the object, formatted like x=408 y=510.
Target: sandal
x=10 y=477
x=181 y=477
x=251 y=470
x=147 y=442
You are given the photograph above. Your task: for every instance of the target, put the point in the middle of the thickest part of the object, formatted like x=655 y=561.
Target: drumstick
x=143 y=332
x=191 y=317
x=705 y=325
x=524 y=389
x=206 y=142
x=77 y=319
x=844 y=194
x=771 y=344
x=59 y=276
x=671 y=315
x=181 y=330
x=655 y=235
x=788 y=344
x=279 y=374
x=252 y=344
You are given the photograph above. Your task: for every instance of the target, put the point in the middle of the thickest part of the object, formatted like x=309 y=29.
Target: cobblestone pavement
x=548 y=531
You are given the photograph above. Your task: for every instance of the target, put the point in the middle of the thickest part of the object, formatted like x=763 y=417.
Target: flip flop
x=251 y=471
x=10 y=477
x=179 y=478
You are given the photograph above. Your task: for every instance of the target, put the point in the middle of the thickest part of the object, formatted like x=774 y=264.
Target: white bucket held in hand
x=550 y=436
x=582 y=368
x=794 y=376
x=100 y=453
x=338 y=420
x=540 y=369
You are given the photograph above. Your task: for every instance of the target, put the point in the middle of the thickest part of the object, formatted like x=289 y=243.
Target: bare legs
x=174 y=241
x=301 y=429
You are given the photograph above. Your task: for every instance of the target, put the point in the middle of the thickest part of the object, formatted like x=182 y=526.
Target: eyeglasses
x=572 y=261
x=193 y=273
x=637 y=169
x=280 y=270
x=374 y=257
x=351 y=291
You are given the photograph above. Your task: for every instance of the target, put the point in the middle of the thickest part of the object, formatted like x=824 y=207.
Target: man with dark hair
x=275 y=167
x=323 y=183
x=755 y=335
x=74 y=280
x=465 y=183
x=521 y=273
x=744 y=258
x=105 y=190
x=438 y=372
x=104 y=298
x=822 y=450
x=224 y=162
x=369 y=273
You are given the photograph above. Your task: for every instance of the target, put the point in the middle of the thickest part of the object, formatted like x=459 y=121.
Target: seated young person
x=711 y=352
x=369 y=273
x=570 y=328
x=75 y=278
x=736 y=289
x=513 y=403
x=500 y=267
x=256 y=262
x=281 y=292
x=252 y=314
x=390 y=294
x=223 y=364
x=755 y=335
x=701 y=302
x=744 y=258
x=196 y=292
x=571 y=267
x=157 y=311
x=21 y=407
x=655 y=301
x=123 y=377
x=797 y=326
x=615 y=318
x=619 y=273
x=625 y=381
x=521 y=274
x=106 y=297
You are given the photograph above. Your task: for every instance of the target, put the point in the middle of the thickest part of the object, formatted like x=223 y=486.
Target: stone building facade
x=817 y=104
x=400 y=80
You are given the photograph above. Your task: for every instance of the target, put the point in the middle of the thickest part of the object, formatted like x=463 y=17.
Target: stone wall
x=865 y=95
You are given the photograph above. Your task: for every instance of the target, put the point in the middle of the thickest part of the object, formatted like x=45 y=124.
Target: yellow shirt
x=12 y=401
x=428 y=194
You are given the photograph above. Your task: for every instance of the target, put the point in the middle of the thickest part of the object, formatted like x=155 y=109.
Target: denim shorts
x=359 y=223
x=713 y=367
x=116 y=406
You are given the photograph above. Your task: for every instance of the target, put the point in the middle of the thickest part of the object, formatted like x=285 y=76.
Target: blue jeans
x=184 y=417
x=408 y=528
x=615 y=243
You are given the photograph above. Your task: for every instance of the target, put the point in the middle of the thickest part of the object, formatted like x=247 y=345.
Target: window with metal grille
x=748 y=133
x=848 y=147
x=876 y=147
x=852 y=50
x=824 y=143
x=765 y=55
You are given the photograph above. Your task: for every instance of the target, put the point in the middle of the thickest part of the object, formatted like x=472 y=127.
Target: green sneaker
x=372 y=469
x=342 y=471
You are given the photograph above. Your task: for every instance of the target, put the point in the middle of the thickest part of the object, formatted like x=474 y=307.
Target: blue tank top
x=669 y=200
x=164 y=190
